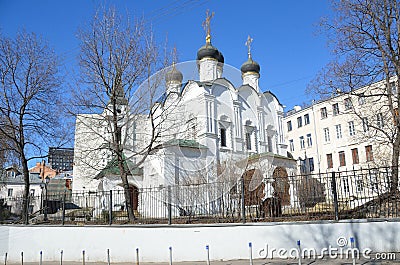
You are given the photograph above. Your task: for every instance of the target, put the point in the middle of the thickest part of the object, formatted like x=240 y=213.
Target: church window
x=191 y=132
x=248 y=141
x=223 y=137
x=270 y=144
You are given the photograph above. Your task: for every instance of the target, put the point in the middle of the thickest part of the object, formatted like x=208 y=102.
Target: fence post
x=169 y=205
x=335 y=197
x=242 y=200
x=110 y=208
x=63 y=209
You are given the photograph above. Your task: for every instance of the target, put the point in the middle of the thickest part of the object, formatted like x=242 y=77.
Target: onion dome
x=250 y=66
x=220 y=58
x=174 y=75
x=209 y=51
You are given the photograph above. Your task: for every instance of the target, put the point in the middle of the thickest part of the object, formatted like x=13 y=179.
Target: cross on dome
x=248 y=44
x=206 y=25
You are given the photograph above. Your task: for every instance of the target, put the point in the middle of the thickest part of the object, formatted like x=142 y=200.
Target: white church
x=210 y=132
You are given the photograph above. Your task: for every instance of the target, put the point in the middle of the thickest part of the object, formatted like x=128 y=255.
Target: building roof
x=112 y=169
x=34 y=178
x=269 y=154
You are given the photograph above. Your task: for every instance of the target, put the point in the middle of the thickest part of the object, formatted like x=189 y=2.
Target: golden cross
x=206 y=25
x=248 y=44
x=174 y=56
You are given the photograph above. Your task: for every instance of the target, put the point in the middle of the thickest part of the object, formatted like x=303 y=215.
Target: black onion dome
x=220 y=57
x=250 y=66
x=209 y=51
x=174 y=75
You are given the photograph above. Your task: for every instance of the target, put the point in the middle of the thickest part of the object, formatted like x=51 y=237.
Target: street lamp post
x=45 y=204
x=41 y=198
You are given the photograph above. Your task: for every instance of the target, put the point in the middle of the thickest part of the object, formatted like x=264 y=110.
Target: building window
x=361 y=99
x=311 y=163
x=306 y=119
x=347 y=104
x=379 y=120
x=352 y=131
x=342 y=159
x=329 y=160
x=368 y=153
x=302 y=144
x=299 y=122
x=335 y=108
x=289 y=126
x=365 y=124
x=327 y=136
x=324 y=113
x=354 y=155
x=10 y=192
x=291 y=145
x=223 y=136
x=338 y=131
x=248 y=141
x=309 y=141
x=346 y=187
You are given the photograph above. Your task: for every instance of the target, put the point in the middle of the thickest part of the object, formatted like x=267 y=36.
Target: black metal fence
x=362 y=193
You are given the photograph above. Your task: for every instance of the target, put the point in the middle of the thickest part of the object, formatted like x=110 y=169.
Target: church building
x=211 y=132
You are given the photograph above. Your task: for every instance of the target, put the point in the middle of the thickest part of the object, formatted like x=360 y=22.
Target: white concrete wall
x=226 y=242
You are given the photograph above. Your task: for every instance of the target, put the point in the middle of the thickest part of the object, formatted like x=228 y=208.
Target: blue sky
x=286 y=43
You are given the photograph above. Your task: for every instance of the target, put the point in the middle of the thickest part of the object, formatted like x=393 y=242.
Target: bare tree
x=365 y=36
x=117 y=56
x=29 y=78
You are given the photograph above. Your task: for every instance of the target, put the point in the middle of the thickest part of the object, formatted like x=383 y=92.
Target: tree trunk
x=128 y=199
x=25 y=204
x=395 y=164
x=123 y=173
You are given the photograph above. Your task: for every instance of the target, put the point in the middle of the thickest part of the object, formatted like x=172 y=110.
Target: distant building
x=43 y=170
x=61 y=159
x=346 y=131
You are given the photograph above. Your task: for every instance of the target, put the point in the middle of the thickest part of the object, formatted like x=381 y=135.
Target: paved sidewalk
x=338 y=261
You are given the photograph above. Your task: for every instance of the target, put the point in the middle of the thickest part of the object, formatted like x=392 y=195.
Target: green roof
x=184 y=143
x=269 y=154
x=112 y=168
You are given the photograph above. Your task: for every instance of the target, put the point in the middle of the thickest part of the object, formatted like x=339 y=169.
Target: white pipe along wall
x=188 y=242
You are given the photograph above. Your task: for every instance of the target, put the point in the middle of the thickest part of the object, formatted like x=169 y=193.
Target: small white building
x=12 y=188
